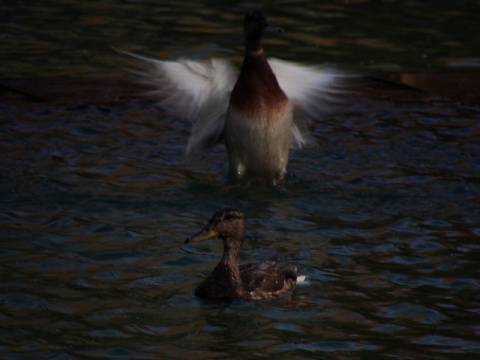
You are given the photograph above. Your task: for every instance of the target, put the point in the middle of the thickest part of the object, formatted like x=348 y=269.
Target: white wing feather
x=311 y=89
x=197 y=90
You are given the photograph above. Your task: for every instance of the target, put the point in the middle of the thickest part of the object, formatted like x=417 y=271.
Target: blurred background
x=74 y=38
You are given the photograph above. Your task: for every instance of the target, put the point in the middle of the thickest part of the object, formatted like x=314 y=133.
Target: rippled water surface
x=381 y=212
x=72 y=38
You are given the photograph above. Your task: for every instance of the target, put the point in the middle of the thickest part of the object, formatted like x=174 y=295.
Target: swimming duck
x=261 y=113
x=229 y=280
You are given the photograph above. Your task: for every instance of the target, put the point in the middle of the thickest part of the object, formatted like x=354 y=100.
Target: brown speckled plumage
x=249 y=281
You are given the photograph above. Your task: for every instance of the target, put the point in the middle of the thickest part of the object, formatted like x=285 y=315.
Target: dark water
x=73 y=38
x=381 y=212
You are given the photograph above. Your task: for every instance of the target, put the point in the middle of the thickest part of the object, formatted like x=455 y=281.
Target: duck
x=260 y=113
x=252 y=281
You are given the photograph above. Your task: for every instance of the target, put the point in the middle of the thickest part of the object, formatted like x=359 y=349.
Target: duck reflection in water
x=260 y=114
x=229 y=280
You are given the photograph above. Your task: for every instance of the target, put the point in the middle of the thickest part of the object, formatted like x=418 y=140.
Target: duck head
x=254 y=26
x=227 y=224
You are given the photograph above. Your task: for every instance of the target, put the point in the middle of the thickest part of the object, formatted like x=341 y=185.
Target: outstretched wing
x=313 y=91
x=197 y=90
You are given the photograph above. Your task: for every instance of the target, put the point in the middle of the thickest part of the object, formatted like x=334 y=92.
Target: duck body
x=223 y=283
x=257 y=281
x=229 y=280
x=269 y=279
x=258 y=124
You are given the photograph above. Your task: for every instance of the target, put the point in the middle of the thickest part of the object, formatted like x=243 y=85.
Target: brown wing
x=268 y=279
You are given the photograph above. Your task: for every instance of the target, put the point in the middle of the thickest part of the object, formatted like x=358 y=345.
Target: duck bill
x=273 y=29
x=204 y=234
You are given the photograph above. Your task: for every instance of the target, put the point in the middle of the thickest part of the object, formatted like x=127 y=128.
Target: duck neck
x=253 y=43
x=255 y=64
x=231 y=255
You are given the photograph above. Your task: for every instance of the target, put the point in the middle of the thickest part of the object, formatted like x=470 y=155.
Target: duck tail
x=301 y=278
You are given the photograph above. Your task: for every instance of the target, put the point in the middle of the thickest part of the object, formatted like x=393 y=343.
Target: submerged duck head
x=227 y=224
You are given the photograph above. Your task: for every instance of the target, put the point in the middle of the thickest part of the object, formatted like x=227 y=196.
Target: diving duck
x=261 y=113
x=229 y=280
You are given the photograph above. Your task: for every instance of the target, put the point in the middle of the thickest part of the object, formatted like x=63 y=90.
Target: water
x=380 y=212
x=73 y=38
